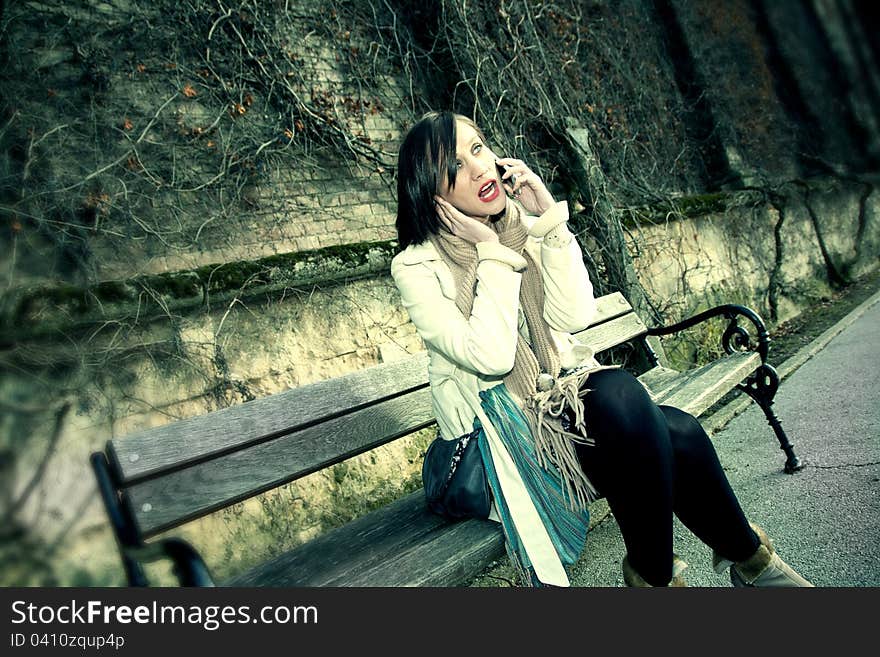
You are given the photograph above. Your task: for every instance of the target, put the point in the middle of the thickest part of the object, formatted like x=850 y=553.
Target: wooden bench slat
x=697 y=389
x=143 y=453
x=612 y=333
x=402 y=544
x=660 y=379
x=610 y=306
x=159 y=504
x=452 y=557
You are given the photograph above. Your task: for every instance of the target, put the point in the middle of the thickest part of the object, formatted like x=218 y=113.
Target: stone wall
x=715 y=257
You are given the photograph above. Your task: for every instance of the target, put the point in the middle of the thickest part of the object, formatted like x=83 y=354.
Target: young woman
x=495 y=285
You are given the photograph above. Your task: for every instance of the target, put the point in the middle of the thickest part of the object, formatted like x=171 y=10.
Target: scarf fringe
x=555 y=445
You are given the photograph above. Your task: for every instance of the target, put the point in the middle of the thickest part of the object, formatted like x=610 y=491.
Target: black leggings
x=651 y=461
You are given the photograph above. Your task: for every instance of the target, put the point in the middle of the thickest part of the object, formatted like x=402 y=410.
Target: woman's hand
x=461 y=225
x=528 y=188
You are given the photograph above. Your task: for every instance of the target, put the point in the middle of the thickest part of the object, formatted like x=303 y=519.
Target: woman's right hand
x=461 y=225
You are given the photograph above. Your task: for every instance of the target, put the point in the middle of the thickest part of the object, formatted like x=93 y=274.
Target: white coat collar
x=416 y=253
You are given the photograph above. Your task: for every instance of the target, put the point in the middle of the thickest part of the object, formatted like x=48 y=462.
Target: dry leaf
x=127 y=124
x=189 y=92
x=141 y=68
x=288 y=133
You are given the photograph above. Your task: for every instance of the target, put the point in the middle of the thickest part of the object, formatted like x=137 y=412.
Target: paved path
x=825 y=520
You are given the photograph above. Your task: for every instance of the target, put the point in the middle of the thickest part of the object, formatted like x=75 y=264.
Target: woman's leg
x=702 y=497
x=705 y=503
x=631 y=465
x=649 y=460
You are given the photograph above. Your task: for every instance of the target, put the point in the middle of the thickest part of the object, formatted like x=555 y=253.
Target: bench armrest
x=736 y=337
x=760 y=385
x=189 y=567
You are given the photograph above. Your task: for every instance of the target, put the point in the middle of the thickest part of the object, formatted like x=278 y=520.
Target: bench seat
x=401 y=544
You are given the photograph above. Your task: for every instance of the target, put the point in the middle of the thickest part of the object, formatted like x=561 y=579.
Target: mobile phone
x=501 y=171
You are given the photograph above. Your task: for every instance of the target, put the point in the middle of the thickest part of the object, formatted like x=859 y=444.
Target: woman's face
x=477 y=190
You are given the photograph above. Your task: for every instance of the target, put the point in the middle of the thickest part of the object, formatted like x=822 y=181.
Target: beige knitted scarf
x=543 y=408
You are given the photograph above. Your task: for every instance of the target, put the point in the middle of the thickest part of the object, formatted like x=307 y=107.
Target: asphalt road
x=825 y=519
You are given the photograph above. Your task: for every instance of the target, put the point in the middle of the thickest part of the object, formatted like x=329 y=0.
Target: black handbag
x=455 y=479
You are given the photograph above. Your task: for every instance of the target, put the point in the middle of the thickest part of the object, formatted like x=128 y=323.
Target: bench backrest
x=175 y=473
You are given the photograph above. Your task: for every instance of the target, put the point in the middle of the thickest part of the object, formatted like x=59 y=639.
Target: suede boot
x=633 y=579
x=763 y=569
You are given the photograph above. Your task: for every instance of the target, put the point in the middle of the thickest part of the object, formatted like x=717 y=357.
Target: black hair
x=427 y=150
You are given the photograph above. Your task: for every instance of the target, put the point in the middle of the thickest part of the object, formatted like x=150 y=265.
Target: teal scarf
x=567 y=528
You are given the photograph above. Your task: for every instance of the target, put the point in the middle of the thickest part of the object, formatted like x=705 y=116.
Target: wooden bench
x=158 y=479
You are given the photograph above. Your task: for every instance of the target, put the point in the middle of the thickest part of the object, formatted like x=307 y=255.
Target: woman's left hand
x=528 y=187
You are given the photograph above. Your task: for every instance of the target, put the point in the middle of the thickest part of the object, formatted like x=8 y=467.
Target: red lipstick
x=489 y=192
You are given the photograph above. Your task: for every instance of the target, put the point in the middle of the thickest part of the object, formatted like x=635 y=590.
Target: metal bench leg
x=123 y=528
x=762 y=387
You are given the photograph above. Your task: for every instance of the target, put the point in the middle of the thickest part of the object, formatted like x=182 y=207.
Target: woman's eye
x=458 y=164
x=477 y=148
